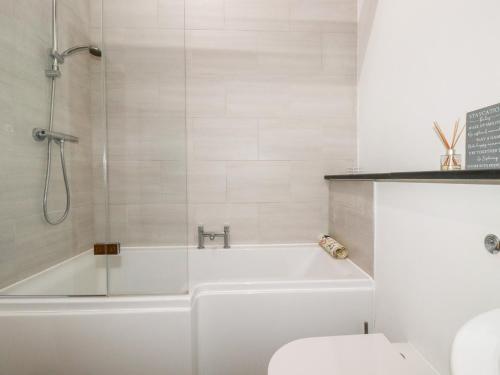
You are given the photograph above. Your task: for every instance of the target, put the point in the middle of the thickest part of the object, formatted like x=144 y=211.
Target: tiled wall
x=268 y=102
x=351 y=220
x=27 y=243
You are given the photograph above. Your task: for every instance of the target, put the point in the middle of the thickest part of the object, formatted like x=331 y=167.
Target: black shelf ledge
x=450 y=176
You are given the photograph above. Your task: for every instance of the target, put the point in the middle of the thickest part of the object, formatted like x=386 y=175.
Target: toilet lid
x=340 y=355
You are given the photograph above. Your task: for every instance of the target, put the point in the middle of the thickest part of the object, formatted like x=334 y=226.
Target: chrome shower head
x=54 y=71
x=93 y=50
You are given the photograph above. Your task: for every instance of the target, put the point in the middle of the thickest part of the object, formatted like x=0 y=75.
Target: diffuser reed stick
x=451 y=160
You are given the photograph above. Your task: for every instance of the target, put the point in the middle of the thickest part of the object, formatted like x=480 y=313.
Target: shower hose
x=63 y=217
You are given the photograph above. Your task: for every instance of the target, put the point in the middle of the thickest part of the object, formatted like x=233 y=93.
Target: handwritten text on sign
x=483 y=138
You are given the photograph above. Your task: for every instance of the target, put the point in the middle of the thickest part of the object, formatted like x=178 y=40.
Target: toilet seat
x=346 y=355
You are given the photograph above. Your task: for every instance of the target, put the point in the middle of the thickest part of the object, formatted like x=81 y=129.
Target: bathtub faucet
x=212 y=235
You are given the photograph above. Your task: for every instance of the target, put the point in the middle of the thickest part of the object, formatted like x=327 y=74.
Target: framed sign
x=482 y=141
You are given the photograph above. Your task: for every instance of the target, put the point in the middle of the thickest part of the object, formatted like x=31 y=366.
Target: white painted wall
x=431 y=268
x=426 y=61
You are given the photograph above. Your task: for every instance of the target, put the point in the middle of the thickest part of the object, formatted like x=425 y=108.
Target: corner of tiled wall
x=351 y=220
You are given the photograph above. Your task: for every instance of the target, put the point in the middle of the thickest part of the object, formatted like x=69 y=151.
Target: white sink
x=476 y=349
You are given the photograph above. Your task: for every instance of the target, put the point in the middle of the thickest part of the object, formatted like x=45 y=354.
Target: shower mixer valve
x=41 y=135
x=212 y=236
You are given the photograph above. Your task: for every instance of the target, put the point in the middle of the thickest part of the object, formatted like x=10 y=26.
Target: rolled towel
x=332 y=247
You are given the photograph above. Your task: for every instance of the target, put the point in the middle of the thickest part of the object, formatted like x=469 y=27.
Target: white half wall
x=431 y=269
x=424 y=61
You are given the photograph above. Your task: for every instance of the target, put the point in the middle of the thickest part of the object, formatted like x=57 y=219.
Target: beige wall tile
x=129 y=13
x=339 y=139
x=285 y=53
x=95 y=13
x=253 y=182
x=221 y=52
x=206 y=96
x=38 y=15
x=118 y=223
x=324 y=96
x=339 y=53
x=83 y=224
x=7 y=249
x=135 y=182
x=339 y=166
x=292 y=222
x=307 y=182
x=151 y=95
x=224 y=139
x=146 y=137
x=53 y=244
x=351 y=220
x=156 y=224
x=171 y=14
x=258 y=97
x=154 y=50
x=173 y=181
x=323 y=15
x=204 y=14
x=7 y=8
x=257 y=15
x=290 y=139
x=101 y=218
x=207 y=182
x=172 y=95
x=136 y=99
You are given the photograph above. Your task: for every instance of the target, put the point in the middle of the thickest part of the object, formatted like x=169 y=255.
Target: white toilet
x=476 y=348
x=348 y=355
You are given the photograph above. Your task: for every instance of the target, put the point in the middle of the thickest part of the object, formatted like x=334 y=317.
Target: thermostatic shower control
x=492 y=243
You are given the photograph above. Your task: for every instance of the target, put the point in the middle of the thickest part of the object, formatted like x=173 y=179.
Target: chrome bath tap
x=212 y=235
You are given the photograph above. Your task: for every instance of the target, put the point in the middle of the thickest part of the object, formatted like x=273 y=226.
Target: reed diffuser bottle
x=451 y=160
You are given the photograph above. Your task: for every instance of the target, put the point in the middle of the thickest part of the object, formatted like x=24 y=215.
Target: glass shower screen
x=146 y=113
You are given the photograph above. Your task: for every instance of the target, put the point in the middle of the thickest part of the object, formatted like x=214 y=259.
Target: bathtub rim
x=367 y=281
x=176 y=303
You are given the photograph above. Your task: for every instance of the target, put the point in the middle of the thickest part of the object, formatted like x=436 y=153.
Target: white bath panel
x=239 y=331
x=117 y=342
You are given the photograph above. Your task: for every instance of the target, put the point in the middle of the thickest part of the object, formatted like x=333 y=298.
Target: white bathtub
x=242 y=305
